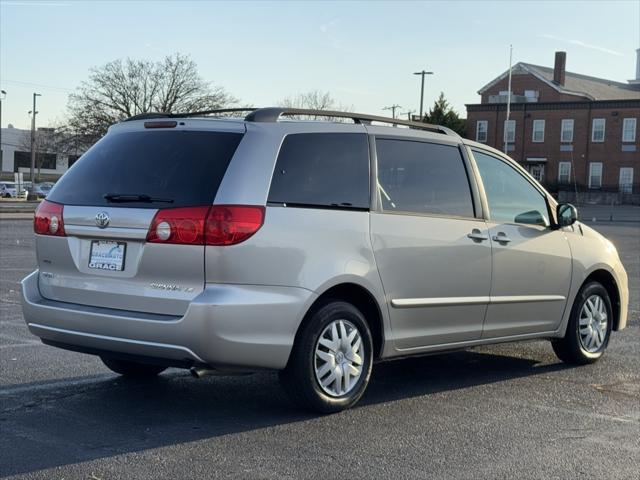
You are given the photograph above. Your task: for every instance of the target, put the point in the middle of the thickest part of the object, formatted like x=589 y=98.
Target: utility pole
x=3 y=95
x=408 y=113
x=422 y=74
x=393 y=109
x=31 y=195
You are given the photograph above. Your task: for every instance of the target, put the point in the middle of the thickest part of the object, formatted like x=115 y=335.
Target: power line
x=33 y=84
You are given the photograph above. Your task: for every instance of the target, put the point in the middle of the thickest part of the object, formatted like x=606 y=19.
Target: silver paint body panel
x=432 y=257
x=242 y=305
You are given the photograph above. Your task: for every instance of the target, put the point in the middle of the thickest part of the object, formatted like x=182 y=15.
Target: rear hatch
x=133 y=181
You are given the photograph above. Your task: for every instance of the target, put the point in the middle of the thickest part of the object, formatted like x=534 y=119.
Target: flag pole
x=508 y=99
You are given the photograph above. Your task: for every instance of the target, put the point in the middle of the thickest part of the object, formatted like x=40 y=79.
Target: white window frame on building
x=601 y=126
x=566 y=126
x=538 y=131
x=509 y=131
x=564 y=173
x=629 y=129
x=598 y=166
x=484 y=130
x=625 y=180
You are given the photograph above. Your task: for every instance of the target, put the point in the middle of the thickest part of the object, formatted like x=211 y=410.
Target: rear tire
x=330 y=365
x=589 y=327
x=132 y=369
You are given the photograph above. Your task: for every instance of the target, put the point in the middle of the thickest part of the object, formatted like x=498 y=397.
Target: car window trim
x=524 y=174
x=427 y=214
x=316 y=206
x=474 y=194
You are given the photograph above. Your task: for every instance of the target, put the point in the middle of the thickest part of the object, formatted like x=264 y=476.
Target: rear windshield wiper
x=134 y=197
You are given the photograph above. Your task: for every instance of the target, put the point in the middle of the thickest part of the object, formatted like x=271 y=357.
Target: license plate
x=107 y=255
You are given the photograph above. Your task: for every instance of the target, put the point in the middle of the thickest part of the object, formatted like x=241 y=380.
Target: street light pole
x=422 y=74
x=31 y=195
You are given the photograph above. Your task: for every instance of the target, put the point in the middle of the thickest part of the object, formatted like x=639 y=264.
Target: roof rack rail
x=151 y=115
x=273 y=114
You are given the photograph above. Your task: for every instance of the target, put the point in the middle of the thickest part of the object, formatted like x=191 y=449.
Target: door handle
x=501 y=237
x=477 y=236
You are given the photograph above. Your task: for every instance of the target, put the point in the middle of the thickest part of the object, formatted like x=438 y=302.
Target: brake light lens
x=219 y=225
x=183 y=226
x=232 y=224
x=48 y=219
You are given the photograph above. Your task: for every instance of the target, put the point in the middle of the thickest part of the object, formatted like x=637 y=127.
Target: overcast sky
x=364 y=53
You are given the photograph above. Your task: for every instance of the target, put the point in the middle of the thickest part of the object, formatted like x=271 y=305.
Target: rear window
x=184 y=166
x=322 y=170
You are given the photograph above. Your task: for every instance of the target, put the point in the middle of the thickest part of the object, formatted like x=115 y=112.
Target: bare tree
x=314 y=100
x=124 y=88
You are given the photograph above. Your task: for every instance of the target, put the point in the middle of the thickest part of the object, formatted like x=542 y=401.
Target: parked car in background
x=10 y=190
x=314 y=248
x=42 y=189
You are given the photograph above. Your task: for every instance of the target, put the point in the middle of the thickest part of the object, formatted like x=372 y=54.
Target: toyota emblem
x=102 y=219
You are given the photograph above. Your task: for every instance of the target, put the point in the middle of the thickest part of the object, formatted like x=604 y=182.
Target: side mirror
x=567 y=214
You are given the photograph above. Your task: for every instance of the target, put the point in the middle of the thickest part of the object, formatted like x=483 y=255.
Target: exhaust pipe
x=200 y=372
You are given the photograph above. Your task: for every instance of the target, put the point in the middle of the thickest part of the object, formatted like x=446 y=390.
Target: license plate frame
x=107 y=255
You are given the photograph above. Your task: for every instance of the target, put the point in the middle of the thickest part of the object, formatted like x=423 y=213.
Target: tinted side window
x=184 y=166
x=511 y=197
x=322 y=169
x=423 y=178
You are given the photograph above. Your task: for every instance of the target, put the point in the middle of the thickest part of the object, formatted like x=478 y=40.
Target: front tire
x=589 y=327
x=132 y=369
x=331 y=361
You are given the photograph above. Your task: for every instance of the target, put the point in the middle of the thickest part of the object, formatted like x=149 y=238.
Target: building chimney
x=559 y=68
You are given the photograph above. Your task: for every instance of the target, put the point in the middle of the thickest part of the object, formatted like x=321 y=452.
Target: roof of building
x=576 y=84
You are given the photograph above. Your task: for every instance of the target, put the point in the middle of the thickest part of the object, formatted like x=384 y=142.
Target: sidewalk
x=18 y=206
x=609 y=213
x=17 y=210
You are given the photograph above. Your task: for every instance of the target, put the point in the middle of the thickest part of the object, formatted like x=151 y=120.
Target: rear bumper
x=248 y=326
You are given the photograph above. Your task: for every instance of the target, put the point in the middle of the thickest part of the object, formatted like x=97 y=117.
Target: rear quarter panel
x=308 y=248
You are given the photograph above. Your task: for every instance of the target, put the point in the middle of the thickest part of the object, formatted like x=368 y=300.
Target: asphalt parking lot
x=508 y=411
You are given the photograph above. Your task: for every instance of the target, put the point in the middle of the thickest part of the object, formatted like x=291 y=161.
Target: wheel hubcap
x=593 y=323
x=339 y=358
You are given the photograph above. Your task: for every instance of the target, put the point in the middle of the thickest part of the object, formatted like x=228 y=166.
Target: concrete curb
x=16 y=216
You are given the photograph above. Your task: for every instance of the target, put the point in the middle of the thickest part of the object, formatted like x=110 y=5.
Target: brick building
x=571 y=131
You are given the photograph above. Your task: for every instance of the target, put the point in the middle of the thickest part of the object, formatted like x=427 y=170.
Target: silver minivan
x=312 y=247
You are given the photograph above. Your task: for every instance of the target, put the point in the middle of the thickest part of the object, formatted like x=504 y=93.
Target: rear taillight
x=217 y=225
x=184 y=226
x=231 y=224
x=48 y=219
